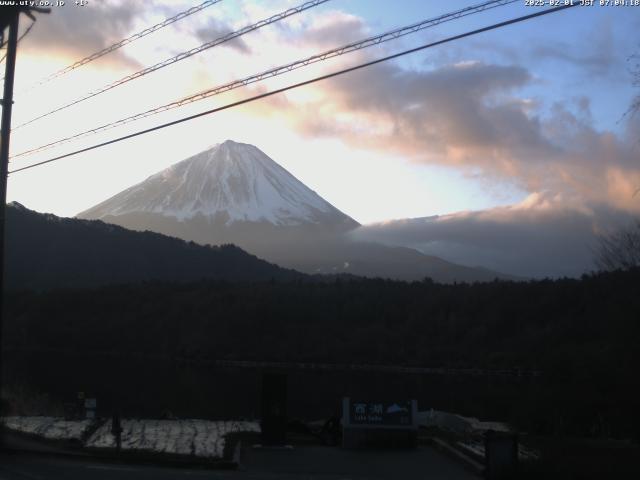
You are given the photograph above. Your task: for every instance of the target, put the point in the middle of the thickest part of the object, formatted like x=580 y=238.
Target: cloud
x=599 y=59
x=543 y=236
x=334 y=29
x=215 y=29
x=80 y=31
x=475 y=116
x=603 y=58
x=448 y=114
x=469 y=115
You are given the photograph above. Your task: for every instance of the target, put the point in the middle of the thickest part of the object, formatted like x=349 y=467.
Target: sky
x=500 y=146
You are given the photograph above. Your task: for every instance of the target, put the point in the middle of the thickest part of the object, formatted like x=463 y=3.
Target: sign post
x=90 y=405
x=274 y=409
x=379 y=424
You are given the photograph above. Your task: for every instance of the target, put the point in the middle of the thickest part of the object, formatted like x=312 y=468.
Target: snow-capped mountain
x=234 y=193
x=231 y=182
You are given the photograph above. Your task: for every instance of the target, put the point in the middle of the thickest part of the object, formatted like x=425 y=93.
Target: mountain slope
x=233 y=182
x=369 y=259
x=234 y=193
x=45 y=251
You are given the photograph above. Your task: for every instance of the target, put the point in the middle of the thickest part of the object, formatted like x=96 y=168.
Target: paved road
x=38 y=467
x=308 y=463
x=325 y=462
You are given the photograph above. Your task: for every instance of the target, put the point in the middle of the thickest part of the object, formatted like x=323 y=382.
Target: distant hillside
x=45 y=251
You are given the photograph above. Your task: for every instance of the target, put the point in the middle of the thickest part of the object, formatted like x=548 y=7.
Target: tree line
x=580 y=333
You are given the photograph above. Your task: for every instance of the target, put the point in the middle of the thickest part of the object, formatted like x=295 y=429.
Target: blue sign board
x=383 y=414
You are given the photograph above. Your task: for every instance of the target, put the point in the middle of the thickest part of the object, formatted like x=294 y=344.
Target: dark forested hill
x=45 y=251
x=581 y=334
x=552 y=325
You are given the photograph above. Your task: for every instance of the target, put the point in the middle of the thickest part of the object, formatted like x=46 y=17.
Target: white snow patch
x=458 y=423
x=52 y=428
x=201 y=438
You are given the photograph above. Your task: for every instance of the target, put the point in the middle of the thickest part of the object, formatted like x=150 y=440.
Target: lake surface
x=148 y=387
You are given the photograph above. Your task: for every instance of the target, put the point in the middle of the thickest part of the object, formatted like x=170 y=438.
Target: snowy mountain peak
x=233 y=181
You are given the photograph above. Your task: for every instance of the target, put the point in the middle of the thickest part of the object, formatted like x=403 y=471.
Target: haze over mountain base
x=234 y=193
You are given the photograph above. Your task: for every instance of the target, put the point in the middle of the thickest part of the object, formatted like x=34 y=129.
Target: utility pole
x=9 y=17
x=5 y=134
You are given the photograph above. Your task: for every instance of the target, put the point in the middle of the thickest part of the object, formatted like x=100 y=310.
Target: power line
x=181 y=56
x=368 y=42
x=126 y=41
x=24 y=34
x=301 y=84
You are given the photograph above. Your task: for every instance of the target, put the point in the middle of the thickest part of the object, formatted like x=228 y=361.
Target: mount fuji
x=234 y=193
x=230 y=183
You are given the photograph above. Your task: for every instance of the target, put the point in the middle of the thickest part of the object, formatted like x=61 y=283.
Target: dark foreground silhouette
x=157 y=344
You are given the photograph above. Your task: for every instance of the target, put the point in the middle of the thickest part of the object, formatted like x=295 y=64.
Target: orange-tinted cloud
x=469 y=115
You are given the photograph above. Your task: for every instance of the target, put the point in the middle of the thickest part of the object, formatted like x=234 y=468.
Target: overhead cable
x=126 y=41
x=181 y=56
x=351 y=47
x=300 y=84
